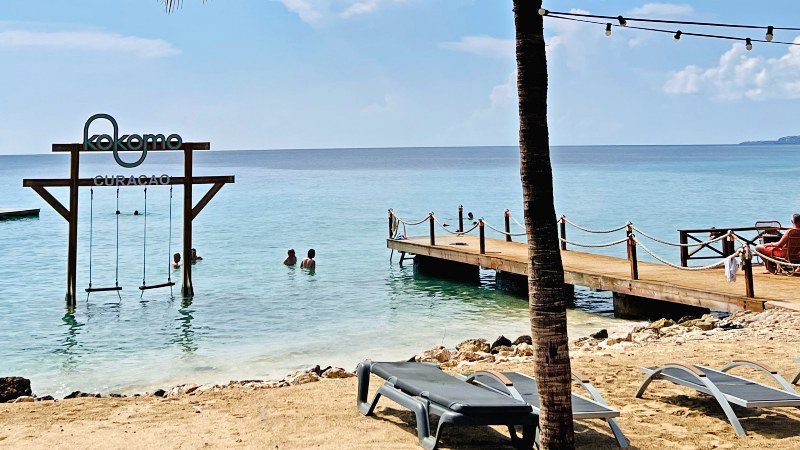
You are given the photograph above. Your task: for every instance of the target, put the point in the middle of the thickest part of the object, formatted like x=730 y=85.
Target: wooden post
x=391 y=229
x=747 y=265
x=460 y=218
x=508 y=225
x=482 y=236
x=727 y=245
x=187 y=289
x=433 y=233
x=632 y=253
x=684 y=239
x=562 y=226
x=72 y=243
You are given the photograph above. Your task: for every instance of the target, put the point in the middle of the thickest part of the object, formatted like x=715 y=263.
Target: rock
x=661 y=323
x=685 y=319
x=275 y=384
x=523 y=349
x=301 y=377
x=602 y=334
x=507 y=349
x=160 y=393
x=23 y=399
x=524 y=339
x=14 y=387
x=79 y=394
x=204 y=388
x=474 y=345
x=45 y=398
x=502 y=341
x=474 y=356
x=182 y=389
x=436 y=354
x=337 y=372
x=116 y=395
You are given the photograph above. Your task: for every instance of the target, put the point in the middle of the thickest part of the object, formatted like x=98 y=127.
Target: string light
x=770 y=33
x=622 y=21
x=543 y=12
x=748 y=44
x=678 y=35
x=608 y=29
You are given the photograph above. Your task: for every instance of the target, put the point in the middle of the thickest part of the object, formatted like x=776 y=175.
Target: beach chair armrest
x=785 y=385
x=499 y=377
x=579 y=377
x=587 y=385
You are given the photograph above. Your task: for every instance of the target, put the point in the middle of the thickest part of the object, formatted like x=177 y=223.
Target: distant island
x=783 y=140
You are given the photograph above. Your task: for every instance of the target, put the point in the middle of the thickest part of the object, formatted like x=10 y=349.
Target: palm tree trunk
x=546 y=273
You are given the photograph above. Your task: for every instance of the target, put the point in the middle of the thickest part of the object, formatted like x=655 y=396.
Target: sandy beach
x=322 y=414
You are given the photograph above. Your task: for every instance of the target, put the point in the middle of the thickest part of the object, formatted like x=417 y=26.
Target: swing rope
x=144 y=243
x=91 y=232
x=116 y=264
x=169 y=244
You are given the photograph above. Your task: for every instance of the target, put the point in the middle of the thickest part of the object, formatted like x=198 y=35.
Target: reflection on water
x=185 y=337
x=69 y=362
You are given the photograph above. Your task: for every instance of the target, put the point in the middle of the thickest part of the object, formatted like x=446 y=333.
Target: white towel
x=731 y=267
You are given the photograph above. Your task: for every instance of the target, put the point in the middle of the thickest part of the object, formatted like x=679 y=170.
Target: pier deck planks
x=707 y=288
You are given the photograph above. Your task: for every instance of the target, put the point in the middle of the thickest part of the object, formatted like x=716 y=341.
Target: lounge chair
x=726 y=389
x=425 y=389
x=582 y=407
x=797 y=375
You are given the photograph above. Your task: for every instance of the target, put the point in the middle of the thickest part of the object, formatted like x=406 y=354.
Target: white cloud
x=505 y=94
x=378 y=107
x=89 y=41
x=316 y=11
x=482 y=46
x=662 y=11
x=738 y=76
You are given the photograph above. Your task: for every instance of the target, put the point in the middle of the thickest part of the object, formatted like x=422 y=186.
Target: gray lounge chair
x=797 y=375
x=425 y=389
x=726 y=389
x=582 y=407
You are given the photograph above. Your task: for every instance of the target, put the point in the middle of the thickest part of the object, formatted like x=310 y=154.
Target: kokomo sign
x=127 y=142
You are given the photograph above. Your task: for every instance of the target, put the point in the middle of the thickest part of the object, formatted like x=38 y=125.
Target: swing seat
x=103 y=289
x=146 y=287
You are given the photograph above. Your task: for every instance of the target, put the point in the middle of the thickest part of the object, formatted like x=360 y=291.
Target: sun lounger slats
x=428 y=381
x=749 y=392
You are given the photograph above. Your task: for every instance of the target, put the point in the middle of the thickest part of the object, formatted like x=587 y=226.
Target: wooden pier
x=702 y=288
x=7 y=214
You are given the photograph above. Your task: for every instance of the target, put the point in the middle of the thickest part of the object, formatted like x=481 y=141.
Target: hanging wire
x=608 y=26
x=624 y=20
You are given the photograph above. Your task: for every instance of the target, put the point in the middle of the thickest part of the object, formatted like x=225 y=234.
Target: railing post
x=562 y=226
x=747 y=265
x=632 y=252
x=727 y=245
x=508 y=225
x=684 y=239
x=433 y=234
x=460 y=218
x=482 y=236
x=391 y=228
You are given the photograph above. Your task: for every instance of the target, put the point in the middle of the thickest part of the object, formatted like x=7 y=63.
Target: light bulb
x=678 y=35
x=608 y=29
x=622 y=21
x=748 y=44
x=543 y=12
x=770 y=33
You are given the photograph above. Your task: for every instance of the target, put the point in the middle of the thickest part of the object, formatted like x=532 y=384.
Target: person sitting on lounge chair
x=778 y=249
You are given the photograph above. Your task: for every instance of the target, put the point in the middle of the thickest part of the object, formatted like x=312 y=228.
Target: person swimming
x=136 y=212
x=195 y=257
x=176 y=260
x=291 y=259
x=309 y=262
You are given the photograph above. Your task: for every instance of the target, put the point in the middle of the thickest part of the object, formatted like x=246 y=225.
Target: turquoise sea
x=254 y=318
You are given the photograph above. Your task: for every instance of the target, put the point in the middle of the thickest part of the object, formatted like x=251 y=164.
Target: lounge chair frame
x=706 y=386
x=797 y=375
x=608 y=415
x=423 y=408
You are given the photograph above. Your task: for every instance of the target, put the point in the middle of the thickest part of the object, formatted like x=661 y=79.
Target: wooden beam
x=206 y=198
x=66 y=148
x=86 y=182
x=52 y=201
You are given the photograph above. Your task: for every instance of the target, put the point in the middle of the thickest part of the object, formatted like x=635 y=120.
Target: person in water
x=195 y=258
x=136 y=212
x=779 y=249
x=176 y=260
x=291 y=259
x=309 y=262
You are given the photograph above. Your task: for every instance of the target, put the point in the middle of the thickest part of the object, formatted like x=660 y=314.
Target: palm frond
x=172 y=5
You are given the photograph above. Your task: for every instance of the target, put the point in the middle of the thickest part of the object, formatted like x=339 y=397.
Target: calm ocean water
x=253 y=317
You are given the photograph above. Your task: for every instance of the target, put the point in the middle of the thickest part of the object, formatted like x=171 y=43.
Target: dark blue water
x=253 y=317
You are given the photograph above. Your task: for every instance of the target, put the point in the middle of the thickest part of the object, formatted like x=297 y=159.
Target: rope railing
x=631 y=240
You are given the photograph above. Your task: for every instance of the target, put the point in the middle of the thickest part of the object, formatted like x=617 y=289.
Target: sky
x=266 y=74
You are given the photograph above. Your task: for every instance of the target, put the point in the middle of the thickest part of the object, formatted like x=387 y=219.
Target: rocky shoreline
x=479 y=350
